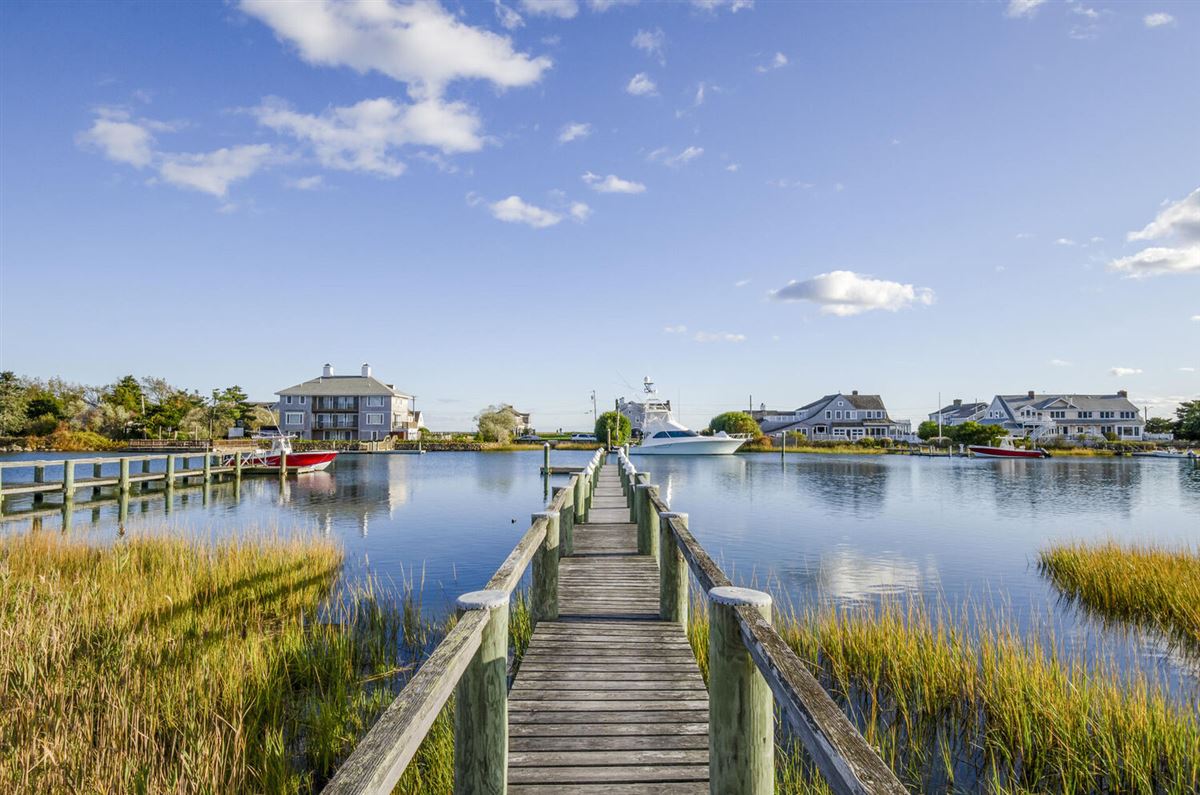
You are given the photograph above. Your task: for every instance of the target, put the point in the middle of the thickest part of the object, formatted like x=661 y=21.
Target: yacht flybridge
x=662 y=434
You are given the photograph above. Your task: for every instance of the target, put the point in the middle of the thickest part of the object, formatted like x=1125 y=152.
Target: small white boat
x=662 y=434
x=1176 y=455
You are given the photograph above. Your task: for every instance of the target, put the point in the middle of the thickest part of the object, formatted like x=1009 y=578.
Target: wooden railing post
x=39 y=476
x=208 y=467
x=481 y=703
x=68 y=484
x=741 y=711
x=648 y=520
x=566 y=521
x=97 y=471
x=237 y=466
x=123 y=481
x=545 y=570
x=672 y=571
x=577 y=501
x=145 y=471
x=170 y=472
x=635 y=508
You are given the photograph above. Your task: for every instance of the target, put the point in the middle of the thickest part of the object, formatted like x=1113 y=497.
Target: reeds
x=163 y=665
x=951 y=711
x=1151 y=586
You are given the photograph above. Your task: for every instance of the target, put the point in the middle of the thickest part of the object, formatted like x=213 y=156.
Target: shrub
x=735 y=422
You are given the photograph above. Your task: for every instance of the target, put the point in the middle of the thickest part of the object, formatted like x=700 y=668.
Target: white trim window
x=287 y=399
x=375 y=401
x=374 y=419
x=303 y=400
x=829 y=415
x=293 y=418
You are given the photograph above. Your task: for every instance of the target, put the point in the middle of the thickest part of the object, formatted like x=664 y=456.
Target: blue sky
x=524 y=202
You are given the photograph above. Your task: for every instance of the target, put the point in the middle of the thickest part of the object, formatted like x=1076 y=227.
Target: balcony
x=343 y=423
x=335 y=404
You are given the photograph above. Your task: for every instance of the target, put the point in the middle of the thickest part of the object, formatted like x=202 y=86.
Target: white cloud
x=1177 y=222
x=306 y=183
x=719 y=336
x=612 y=184
x=1196 y=318
x=733 y=167
x=509 y=19
x=580 y=211
x=778 y=61
x=741 y=282
x=516 y=211
x=1022 y=8
x=420 y=44
x=1024 y=235
x=364 y=136
x=680 y=329
x=640 y=85
x=573 y=131
x=1158 y=20
x=1060 y=363
x=1124 y=371
x=651 y=42
x=846 y=293
x=1187 y=369
x=664 y=156
x=213 y=172
x=1158 y=260
x=121 y=141
x=563 y=9
x=600 y=6
x=1065 y=241
x=715 y=5
x=1177 y=219
x=699 y=98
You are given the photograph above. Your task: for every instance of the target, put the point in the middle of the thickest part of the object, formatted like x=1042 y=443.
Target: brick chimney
x=327 y=370
x=855 y=392
x=957 y=402
x=1030 y=394
x=1123 y=393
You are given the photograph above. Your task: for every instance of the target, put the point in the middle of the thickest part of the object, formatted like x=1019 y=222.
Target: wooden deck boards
x=608 y=698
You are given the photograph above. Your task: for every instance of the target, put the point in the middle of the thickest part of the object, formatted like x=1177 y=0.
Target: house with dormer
x=347 y=407
x=838 y=417
x=1070 y=416
x=959 y=412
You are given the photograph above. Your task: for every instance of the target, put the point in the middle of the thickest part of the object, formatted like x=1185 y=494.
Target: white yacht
x=663 y=435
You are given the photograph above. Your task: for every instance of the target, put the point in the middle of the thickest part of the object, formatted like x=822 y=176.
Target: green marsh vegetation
x=1150 y=586
x=162 y=664
x=956 y=709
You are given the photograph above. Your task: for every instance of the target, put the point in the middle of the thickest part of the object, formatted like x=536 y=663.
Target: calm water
x=847 y=529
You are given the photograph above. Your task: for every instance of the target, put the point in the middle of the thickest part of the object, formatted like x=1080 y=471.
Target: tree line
x=128 y=408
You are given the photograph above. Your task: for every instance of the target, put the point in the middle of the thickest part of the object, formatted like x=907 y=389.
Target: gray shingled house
x=347 y=407
x=839 y=417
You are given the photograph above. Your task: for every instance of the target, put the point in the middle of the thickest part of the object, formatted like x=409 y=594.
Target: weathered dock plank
x=608 y=697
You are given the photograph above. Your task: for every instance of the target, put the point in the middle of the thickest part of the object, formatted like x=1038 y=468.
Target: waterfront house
x=524 y=423
x=347 y=407
x=959 y=412
x=1069 y=416
x=838 y=417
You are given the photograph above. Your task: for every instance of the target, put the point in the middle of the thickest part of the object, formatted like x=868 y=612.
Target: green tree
x=126 y=394
x=1160 y=425
x=975 y=433
x=735 y=422
x=497 y=424
x=1187 y=424
x=617 y=424
x=13 y=402
x=927 y=429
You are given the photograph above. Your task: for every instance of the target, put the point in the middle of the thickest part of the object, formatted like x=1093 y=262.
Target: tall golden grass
x=1152 y=586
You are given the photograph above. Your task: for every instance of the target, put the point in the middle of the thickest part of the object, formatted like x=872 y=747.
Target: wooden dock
x=608 y=697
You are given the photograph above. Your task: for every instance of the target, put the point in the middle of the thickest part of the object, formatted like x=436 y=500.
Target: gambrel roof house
x=840 y=415
x=1063 y=414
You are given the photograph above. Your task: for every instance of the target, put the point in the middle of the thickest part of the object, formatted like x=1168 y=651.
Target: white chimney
x=366 y=370
x=327 y=370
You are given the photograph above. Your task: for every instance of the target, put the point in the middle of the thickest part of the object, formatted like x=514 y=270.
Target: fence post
x=546 y=458
x=39 y=476
x=741 y=713
x=481 y=703
x=97 y=471
x=170 y=471
x=635 y=510
x=145 y=471
x=672 y=572
x=566 y=522
x=237 y=466
x=587 y=492
x=545 y=570
x=68 y=481
x=123 y=481
x=648 y=520
x=208 y=467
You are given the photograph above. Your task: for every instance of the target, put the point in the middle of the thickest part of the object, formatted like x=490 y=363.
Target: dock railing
x=750 y=666
x=471 y=662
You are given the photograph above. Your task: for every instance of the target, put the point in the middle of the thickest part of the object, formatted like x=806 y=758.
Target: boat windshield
x=673 y=434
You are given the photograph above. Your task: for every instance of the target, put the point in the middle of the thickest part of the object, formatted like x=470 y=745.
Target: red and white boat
x=1006 y=449
x=269 y=460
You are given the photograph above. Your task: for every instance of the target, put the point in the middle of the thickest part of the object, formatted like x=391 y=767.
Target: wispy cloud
x=509 y=19
x=682 y=158
x=580 y=211
x=306 y=183
x=1065 y=241
x=680 y=329
x=1187 y=369
x=574 y=131
x=733 y=167
x=718 y=336
x=612 y=184
x=741 y=282
x=778 y=61
x=1177 y=224
x=846 y=293
x=563 y=9
x=1158 y=20
x=715 y=5
x=1124 y=371
x=640 y=85
x=1022 y=8
x=1060 y=363
x=651 y=42
x=516 y=210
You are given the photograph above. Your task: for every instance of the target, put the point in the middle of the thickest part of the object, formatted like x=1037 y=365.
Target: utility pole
x=595 y=415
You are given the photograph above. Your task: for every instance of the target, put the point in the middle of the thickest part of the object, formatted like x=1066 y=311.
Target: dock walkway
x=608 y=697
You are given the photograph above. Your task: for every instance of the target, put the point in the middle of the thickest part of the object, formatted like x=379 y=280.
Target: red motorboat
x=1006 y=449
x=269 y=460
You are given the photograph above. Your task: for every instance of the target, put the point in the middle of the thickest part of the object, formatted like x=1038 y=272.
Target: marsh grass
x=1150 y=586
x=951 y=711
x=165 y=665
